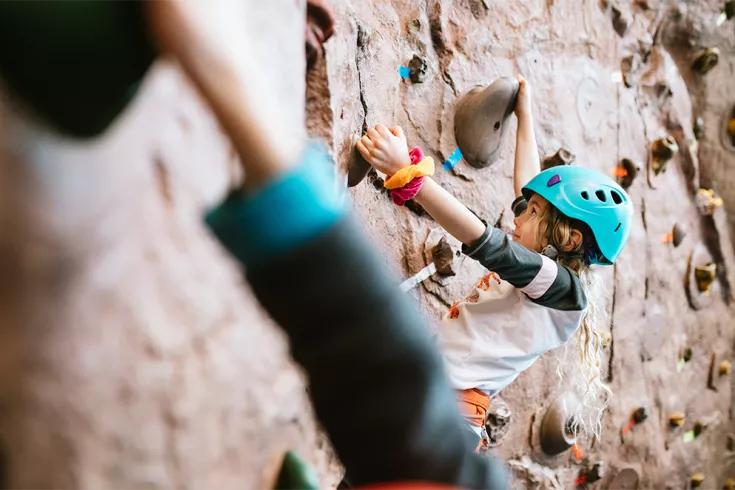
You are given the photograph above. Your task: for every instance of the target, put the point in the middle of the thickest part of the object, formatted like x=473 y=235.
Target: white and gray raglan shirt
x=528 y=305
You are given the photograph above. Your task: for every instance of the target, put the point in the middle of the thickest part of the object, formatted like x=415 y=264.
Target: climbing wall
x=611 y=81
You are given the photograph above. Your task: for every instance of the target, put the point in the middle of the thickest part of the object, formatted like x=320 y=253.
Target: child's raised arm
x=376 y=380
x=386 y=150
x=527 y=163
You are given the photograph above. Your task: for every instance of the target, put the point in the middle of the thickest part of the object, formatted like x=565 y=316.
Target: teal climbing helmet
x=593 y=198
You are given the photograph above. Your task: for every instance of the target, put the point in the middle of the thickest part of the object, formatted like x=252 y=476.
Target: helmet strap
x=553 y=253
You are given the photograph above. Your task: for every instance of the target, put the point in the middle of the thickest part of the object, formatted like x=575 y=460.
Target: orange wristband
x=405 y=175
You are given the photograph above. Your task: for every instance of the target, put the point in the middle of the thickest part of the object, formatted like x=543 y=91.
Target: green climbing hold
x=75 y=63
x=296 y=474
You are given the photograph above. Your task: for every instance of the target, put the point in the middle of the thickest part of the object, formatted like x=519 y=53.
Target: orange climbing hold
x=619 y=172
x=577 y=451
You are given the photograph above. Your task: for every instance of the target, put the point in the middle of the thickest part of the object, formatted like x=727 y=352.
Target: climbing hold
x=357 y=168
x=730 y=444
x=480 y=120
x=698 y=128
x=711 y=372
x=413 y=26
x=707 y=200
x=626 y=479
x=705 y=60
x=497 y=422
x=676 y=419
x=731 y=130
x=597 y=472
x=443 y=255
x=730 y=9
x=620 y=21
x=557 y=434
x=417 y=69
x=606 y=339
x=684 y=357
x=626 y=172
x=296 y=474
x=628 y=67
x=705 y=276
x=663 y=150
x=697 y=479
x=319 y=28
x=730 y=482
x=676 y=236
x=591 y=474
x=453 y=160
x=686 y=354
x=561 y=157
x=638 y=417
x=724 y=368
x=577 y=450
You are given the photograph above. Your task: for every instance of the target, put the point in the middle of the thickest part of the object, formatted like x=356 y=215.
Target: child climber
x=541 y=290
x=376 y=382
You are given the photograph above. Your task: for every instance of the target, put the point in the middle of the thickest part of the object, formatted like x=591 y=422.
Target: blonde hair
x=586 y=373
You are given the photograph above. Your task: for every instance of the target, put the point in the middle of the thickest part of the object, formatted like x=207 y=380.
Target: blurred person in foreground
x=376 y=380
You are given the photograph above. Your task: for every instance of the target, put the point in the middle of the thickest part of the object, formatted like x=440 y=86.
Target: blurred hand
x=209 y=41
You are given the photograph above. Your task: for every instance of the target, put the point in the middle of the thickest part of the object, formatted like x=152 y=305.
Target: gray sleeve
x=543 y=280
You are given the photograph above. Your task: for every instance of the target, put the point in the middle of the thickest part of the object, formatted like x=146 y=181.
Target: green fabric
x=296 y=474
x=76 y=63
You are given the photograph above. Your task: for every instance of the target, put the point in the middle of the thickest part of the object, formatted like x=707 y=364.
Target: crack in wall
x=360 y=55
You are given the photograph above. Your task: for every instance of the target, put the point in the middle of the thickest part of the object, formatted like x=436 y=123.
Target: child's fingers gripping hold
x=383 y=131
x=397 y=131
x=523 y=104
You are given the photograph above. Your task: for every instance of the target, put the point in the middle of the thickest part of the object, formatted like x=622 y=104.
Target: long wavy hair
x=582 y=373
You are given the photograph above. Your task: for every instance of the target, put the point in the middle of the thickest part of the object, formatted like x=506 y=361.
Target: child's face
x=526 y=223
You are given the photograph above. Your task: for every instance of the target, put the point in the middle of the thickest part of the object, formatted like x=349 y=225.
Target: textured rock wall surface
x=571 y=51
x=132 y=355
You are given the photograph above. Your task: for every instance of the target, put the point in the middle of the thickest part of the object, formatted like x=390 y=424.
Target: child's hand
x=385 y=149
x=523 y=103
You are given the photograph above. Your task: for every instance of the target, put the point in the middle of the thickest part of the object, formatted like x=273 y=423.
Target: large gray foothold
x=480 y=120
x=556 y=436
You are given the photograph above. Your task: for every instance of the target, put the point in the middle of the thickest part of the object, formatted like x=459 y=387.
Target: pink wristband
x=409 y=191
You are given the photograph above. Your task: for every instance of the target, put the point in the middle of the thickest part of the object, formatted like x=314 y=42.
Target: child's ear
x=575 y=240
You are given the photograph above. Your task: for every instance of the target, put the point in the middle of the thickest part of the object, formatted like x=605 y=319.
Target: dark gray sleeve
x=375 y=378
x=544 y=281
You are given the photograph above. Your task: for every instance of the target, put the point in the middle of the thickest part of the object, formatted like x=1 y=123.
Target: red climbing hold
x=319 y=28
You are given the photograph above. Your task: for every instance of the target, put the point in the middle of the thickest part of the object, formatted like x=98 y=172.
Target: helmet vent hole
x=585 y=196
x=601 y=196
x=618 y=227
x=616 y=197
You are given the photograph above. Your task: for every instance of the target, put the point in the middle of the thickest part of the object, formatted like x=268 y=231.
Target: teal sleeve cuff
x=283 y=215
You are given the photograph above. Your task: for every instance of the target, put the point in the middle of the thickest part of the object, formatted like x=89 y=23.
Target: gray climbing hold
x=480 y=120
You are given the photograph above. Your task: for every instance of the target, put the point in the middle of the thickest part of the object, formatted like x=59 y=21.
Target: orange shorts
x=473 y=405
